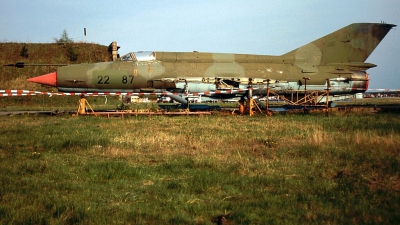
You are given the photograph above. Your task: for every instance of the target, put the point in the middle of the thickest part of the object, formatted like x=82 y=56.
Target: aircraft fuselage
x=335 y=61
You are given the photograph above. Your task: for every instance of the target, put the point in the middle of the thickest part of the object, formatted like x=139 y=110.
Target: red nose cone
x=48 y=79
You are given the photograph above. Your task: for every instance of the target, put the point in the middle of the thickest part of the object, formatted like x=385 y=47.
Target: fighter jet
x=335 y=62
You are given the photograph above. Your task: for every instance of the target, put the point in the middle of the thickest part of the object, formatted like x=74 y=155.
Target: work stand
x=82 y=109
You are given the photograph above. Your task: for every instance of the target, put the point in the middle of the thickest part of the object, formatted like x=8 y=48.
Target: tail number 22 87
x=106 y=79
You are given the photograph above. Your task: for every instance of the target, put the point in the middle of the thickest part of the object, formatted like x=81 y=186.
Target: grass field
x=285 y=169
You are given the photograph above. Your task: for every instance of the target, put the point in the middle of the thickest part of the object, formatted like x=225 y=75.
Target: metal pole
x=328 y=86
x=305 y=88
x=267 y=100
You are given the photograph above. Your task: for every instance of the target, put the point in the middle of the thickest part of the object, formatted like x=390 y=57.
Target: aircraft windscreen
x=127 y=57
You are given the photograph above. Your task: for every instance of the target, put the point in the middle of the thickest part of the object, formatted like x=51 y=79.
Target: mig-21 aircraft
x=335 y=61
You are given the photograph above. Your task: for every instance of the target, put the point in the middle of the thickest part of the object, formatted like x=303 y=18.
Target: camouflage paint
x=338 y=57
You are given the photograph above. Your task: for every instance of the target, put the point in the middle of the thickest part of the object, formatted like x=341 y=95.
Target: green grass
x=200 y=170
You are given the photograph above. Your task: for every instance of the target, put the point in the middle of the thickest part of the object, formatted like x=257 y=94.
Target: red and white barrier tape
x=10 y=93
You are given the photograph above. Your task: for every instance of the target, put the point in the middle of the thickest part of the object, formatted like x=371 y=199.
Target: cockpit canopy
x=139 y=56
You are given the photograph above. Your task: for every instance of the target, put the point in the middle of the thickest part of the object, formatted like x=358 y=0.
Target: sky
x=272 y=27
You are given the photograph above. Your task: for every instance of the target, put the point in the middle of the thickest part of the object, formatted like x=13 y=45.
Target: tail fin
x=351 y=44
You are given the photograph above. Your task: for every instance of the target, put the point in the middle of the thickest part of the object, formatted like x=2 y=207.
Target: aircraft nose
x=47 y=79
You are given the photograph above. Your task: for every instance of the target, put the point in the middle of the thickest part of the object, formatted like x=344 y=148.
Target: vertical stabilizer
x=353 y=43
